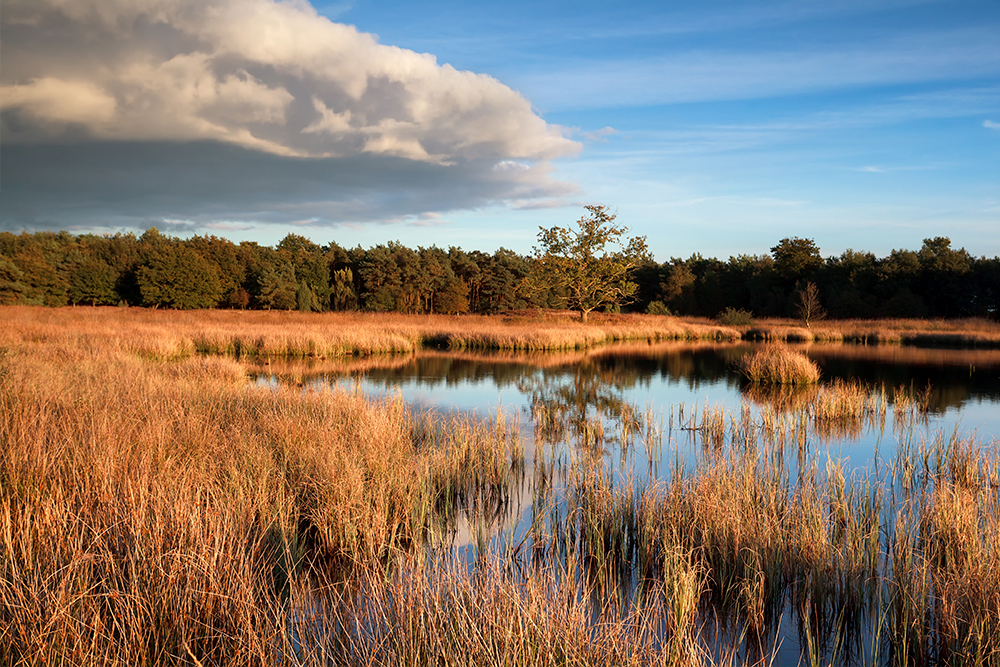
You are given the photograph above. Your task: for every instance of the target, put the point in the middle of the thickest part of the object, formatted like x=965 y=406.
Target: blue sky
x=713 y=127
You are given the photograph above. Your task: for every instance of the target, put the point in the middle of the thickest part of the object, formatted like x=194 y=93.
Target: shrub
x=732 y=317
x=657 y=308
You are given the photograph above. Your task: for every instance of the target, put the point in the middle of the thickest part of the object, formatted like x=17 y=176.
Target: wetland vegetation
x=157 y=506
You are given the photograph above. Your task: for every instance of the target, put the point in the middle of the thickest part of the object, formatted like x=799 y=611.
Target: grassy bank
x=259 y=334
x=274 y=335
x=926 y=333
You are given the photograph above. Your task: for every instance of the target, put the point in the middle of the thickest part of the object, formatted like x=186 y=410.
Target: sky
x=717 y=127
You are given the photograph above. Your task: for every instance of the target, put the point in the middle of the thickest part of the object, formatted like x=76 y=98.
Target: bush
x=732 y=317
x=657 y=308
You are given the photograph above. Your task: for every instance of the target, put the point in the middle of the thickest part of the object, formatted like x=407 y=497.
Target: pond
x=651 y=414
x=960 y=388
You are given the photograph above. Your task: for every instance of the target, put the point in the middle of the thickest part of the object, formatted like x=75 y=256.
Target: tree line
x=159 y=271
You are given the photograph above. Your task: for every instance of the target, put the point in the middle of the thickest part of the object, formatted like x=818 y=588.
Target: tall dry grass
x=155 y=513
x=262 y=334
x=972 y=332
x=778 y=365
x=439 y=613
x=836 y=411
x=893 y=563
x=169 y=512
x=898 y=564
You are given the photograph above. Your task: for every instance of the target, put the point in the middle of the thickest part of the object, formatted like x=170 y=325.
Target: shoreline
x=165 y=335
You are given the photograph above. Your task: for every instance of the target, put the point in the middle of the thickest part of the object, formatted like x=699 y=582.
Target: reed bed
x=441 y=613
x=899 y=565
x=873 y=566
x=934 y=333
x=296 y=369
x=171 y=512
x=789 y=414
x=166 y=335
x=158 y=513
x=778 y=365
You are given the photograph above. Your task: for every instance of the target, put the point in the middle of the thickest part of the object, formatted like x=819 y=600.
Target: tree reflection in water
x=585 y=405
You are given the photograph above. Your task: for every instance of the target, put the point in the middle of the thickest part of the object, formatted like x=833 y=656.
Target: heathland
x=157 y=507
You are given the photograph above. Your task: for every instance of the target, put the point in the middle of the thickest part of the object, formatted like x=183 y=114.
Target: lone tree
x=579 y=266
x=809 y=306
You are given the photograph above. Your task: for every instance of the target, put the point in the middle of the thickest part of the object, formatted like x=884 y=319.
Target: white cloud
x=879 y=169
x=510 y=167
x=991 y=125
x=213 y=113
x=329 y=121
x=705 y=139
x=428 y=219
x=271 y=76
x=230 y=226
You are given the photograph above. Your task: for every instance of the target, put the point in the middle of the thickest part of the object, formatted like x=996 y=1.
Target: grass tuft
x=778 y=365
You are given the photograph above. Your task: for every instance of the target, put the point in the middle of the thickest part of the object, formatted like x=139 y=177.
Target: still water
x=671 y=385
x=643 y=409
x=961 y=387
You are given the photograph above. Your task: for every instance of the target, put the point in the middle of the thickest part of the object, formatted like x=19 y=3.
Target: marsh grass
x=861 y=571
x=153 y=513
x=441 y=613
x=171 y=335
x=778 y=365
x=839 y=410
x=972 y=332
x=896 y=564
x=170 y=512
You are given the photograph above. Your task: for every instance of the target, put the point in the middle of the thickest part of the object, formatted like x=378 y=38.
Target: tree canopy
x=589 y=266
x=796 y=258
x=155 y=270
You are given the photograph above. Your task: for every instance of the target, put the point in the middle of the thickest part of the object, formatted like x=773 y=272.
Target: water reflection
x=596 y=396
x=784 y=493
x=586 y=404
x=956 y=377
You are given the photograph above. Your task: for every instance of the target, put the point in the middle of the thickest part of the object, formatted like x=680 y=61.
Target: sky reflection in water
x=964 y=384
x=672 y=382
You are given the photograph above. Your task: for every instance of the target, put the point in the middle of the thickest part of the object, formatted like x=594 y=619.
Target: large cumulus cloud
x=157 y=90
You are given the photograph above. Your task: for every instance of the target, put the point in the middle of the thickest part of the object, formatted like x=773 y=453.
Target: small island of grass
x=778 y=365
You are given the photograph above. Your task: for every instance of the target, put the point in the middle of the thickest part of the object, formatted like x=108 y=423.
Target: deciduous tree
x=277 y=287
x=93 y=282
x=12 y=287
x=809 y=306
x=589 y=266
x=177 y=277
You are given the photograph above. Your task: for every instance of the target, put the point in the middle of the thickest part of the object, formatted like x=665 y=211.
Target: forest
x=158 y=271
